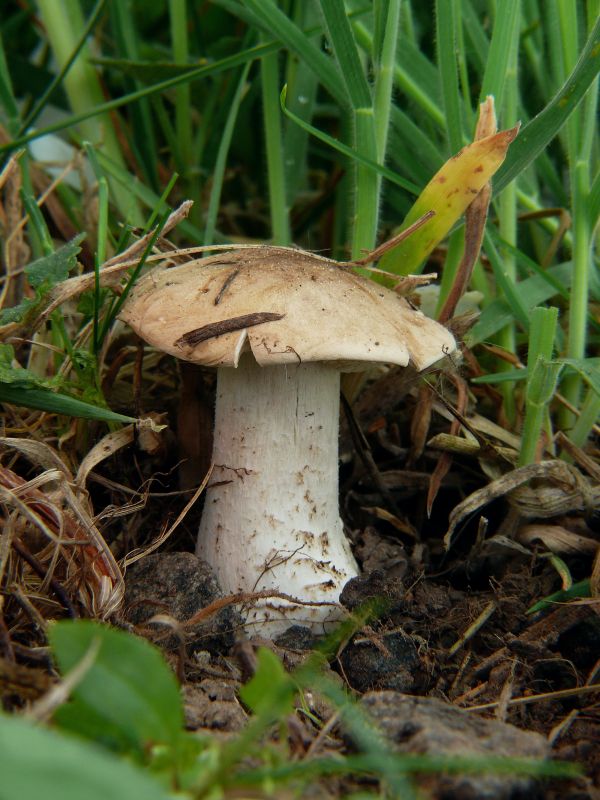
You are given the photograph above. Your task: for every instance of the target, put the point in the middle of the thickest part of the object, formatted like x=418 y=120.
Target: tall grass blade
x=538 y=133
x=280 y=223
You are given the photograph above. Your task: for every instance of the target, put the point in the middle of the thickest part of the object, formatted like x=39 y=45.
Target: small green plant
x=121 y=733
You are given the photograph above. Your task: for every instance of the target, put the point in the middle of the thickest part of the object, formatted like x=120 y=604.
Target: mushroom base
x=271 y=520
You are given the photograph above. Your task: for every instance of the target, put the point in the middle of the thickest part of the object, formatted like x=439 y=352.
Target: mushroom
x=280 y=325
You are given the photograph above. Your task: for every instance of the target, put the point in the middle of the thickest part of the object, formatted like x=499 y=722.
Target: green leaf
x=541 y=383
x=581 y=589
x=19 y=312
x=57 y=403
x=507 y=376
x=54 y=268
x=42 y=275
x=20 y=387
x=129 y=687
x=588 y=368
x=7 y=96
x=271 y=690
x=344 y=46
x=37 y=763
x=16 y=376
x=284 y=31
x=197 y=73
x=497 y=68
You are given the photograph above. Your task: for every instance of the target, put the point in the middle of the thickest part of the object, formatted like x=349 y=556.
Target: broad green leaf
x=271 y=690
x=129 y=687
x=21 y=311
x=16 y=376
x=38 y=763
x=42 y=275
x=57 y=403
x=50 y=270
x=448 y=194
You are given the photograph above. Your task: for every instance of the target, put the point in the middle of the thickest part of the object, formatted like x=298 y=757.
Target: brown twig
x=245 y=597
x=213 y=329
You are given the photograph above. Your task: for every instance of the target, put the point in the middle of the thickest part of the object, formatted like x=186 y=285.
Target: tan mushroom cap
x=286 y=306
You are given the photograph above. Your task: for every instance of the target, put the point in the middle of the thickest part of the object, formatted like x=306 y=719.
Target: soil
x=451 y=662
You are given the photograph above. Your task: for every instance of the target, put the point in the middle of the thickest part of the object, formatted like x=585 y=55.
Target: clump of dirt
x=166 y=590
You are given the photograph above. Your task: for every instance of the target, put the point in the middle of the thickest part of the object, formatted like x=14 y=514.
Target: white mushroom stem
x=271 y=519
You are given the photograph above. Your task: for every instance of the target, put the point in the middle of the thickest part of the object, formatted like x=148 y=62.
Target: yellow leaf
x=448 y=194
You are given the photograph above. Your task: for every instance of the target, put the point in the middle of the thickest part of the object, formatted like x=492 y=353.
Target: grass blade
x=283 y=30
x=538 y=133
x=193 y=74
x=503 y=47
x=280 y=223
x=221 y=160
x=347 y=151
x=446 y=53
x=366 y=191
x=57 y=403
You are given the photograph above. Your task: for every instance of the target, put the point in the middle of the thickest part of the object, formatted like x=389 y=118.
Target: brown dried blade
x=445 y=460
x=475 y=217
x=213 y=329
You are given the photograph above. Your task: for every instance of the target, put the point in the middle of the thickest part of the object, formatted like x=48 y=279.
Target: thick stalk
x=271 y=519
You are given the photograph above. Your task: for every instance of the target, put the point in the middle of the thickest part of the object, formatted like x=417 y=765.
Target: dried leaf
x=396 y=522
x=106 y=447
x=63 y=518
x=560 y=488
x=557 y=539
x=445 y=460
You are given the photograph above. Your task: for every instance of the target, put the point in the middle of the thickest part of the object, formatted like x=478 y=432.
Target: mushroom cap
x=287 y=306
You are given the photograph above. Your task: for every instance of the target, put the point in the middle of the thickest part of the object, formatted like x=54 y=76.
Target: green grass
x=315 y=123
